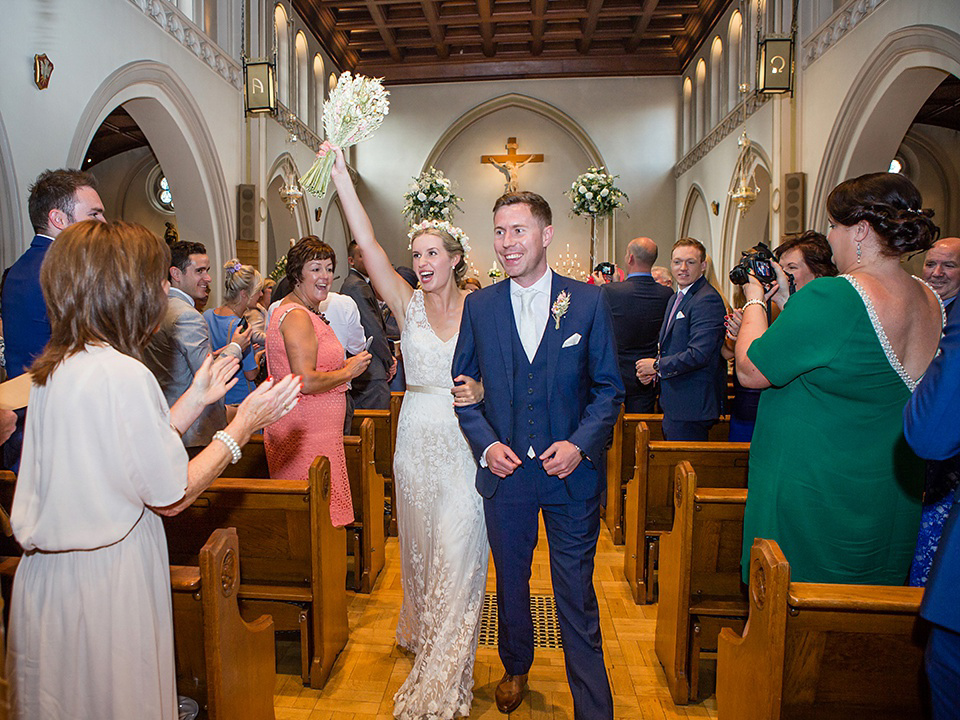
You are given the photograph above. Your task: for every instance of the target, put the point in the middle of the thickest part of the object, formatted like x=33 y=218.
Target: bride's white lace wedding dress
x=443 y=541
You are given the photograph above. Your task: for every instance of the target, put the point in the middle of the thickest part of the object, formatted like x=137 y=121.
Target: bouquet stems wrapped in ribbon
x=355 y=109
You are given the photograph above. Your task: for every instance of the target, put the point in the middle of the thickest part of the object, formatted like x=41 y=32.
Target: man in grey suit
x=371 y=390
x=182 y=342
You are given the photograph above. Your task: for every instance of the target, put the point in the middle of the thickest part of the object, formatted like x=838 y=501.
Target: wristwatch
x=656 y=365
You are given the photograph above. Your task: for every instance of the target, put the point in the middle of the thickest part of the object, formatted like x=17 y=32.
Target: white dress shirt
x=344 y=317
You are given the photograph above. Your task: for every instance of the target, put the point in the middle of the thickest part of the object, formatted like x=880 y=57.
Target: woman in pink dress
x=299 y=337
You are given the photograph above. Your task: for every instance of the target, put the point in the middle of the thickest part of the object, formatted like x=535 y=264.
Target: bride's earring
x=859 y=251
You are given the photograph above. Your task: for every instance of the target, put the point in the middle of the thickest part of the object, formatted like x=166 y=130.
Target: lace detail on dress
x=881 y=333
x=443 y=542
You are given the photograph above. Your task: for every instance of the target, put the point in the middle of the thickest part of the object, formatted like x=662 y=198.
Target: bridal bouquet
x=430 y=197
x=356 y=108
x=593 y=193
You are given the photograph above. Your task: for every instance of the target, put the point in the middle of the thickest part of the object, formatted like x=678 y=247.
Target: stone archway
x=744 y=230
x=891 y=87
x=15 y=239
x=282 y=225
x=173 y=123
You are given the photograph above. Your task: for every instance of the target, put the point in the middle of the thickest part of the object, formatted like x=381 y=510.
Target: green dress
x=832 y=479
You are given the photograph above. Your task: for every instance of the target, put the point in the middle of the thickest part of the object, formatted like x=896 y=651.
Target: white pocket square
x=571 y=341
x=680 y=316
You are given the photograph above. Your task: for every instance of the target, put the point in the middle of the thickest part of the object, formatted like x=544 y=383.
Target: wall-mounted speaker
x=794 y=196
x=248 y=246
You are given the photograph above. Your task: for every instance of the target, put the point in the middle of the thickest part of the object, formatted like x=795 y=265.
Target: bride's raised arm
x=393 y=289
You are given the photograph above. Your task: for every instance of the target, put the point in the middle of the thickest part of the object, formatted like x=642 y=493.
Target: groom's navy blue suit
x=570 y=391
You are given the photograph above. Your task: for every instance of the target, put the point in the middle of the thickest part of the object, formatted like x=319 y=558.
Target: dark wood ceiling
x=420 y=41
x=943 y=106
x=117 y=133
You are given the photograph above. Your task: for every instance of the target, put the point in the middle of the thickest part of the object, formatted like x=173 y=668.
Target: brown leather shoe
x=510 y=692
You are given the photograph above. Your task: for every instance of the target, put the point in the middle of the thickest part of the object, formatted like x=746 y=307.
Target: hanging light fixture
x=290 y=193
x=746 y=190
x=259 y=75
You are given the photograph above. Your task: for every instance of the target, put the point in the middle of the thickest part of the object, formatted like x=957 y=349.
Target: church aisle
x=371 y=669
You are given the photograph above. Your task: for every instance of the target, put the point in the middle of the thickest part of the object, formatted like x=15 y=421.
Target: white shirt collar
x=542 y=285
x=183 y=295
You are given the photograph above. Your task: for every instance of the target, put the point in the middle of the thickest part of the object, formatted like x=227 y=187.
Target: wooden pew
x=224 y=663
x=699 y=579
x=293 y=561
x=253 y=461
x=648 y=506
x=366 y=533
x=622 y=460
x=385 y=444
x=812 y=650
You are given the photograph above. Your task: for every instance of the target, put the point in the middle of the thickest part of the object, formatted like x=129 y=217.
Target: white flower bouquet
x=593 y=193
x=430 y=197
x=355 y=109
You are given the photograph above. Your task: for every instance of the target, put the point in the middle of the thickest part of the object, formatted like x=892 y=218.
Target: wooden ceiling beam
x=436 y=32
x=324 y=25
x=643 y=22
x=537 y=26
x=485 y=10
x=386 y=34
x=589 y=25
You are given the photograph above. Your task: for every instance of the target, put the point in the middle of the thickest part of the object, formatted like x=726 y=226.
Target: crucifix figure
x=510 y=164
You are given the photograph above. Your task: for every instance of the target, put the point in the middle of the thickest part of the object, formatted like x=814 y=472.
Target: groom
x=543 y=346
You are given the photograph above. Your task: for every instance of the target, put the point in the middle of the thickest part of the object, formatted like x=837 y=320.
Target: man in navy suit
x=58 y=199
x=688 y=366
x=543 y=346
x=932 y=428
x=638 y=305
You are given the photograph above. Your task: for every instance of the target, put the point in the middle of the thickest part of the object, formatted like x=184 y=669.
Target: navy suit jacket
x=26 y=328
x=932 y=428
x=584 y=391
x=638 y=305
x=359 y=289
x=692 y=372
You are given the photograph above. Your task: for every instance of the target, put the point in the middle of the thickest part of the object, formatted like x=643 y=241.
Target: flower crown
x=451 y=230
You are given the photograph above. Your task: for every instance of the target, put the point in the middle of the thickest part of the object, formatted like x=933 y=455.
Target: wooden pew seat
x=815 y=650
x=366 y=532
x=223 y=662
x=699 y=580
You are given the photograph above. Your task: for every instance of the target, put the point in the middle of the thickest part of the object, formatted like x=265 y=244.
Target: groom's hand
x=561 y=458
x=501 y=460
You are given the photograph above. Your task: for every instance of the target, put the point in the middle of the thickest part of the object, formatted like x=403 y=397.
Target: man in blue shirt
x=58 y=199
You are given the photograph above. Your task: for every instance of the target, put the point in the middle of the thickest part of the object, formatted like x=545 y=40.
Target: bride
x=443 y=542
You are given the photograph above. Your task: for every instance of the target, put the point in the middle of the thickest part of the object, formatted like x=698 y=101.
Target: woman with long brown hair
x=91 y=628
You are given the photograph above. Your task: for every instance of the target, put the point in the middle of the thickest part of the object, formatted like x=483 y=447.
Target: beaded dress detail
x=443 y=540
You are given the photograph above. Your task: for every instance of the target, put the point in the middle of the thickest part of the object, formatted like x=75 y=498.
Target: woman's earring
x=859 y=251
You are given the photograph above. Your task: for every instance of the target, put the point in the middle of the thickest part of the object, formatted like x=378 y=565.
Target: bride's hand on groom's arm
x=561 y=458
x=501 y=460
x=466 y=391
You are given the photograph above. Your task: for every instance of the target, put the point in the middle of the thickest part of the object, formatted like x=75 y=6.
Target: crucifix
x=510 y=164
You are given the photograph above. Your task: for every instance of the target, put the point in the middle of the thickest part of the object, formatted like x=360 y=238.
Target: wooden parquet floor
x=371 y=669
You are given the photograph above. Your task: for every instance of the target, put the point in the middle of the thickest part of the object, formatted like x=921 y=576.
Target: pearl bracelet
x=231 y=444
x=755 y=301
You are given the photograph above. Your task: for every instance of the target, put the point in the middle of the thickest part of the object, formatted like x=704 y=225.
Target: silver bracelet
x=231 y=444
x=755 y=301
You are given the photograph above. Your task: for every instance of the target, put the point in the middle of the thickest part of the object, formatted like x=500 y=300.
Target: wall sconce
x=746 y=190
x=775 y=65
x=291 y=193
x=259 y=86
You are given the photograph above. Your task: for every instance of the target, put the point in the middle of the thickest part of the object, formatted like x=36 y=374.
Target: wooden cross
x=510 y=164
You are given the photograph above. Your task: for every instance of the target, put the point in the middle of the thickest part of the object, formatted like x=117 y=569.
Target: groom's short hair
x=539 y=207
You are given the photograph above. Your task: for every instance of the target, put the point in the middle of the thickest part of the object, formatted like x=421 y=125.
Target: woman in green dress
x=831 y=477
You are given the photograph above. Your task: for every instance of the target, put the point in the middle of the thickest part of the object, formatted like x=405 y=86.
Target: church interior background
x=148 y=96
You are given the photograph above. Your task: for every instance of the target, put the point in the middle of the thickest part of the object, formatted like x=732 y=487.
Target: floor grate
x=546 y=629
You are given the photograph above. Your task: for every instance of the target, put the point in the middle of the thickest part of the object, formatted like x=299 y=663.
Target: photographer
x=831 y=478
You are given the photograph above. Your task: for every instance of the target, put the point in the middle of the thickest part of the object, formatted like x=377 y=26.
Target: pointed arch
x=15 y=237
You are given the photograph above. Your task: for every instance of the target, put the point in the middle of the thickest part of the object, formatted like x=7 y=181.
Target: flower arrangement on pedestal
x=355 y=109
x=430 y=197
x=594 y=194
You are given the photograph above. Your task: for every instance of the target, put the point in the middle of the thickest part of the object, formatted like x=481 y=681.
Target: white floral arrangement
x=593 y=193
x=355 y=109
x=430 y=197
x=451 y=230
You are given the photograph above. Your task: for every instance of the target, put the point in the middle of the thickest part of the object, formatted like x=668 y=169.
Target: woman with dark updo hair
x=831 y=478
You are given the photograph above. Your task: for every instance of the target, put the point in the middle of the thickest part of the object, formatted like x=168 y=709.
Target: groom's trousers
x=573 y=527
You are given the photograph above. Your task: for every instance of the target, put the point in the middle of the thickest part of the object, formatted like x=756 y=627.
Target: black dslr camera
x=756 y=259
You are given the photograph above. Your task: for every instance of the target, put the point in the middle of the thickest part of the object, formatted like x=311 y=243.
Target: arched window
x=283 y=54
x=318 y=94
x=303 y=85
x=701 y=108
x=687 y=118
x=717 y=73
x=734 y=35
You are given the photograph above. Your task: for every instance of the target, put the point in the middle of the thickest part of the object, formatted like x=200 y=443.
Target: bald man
x=638 y=305
x=941 y=269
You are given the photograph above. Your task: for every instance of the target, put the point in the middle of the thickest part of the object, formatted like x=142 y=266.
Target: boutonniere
x=560 y=306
